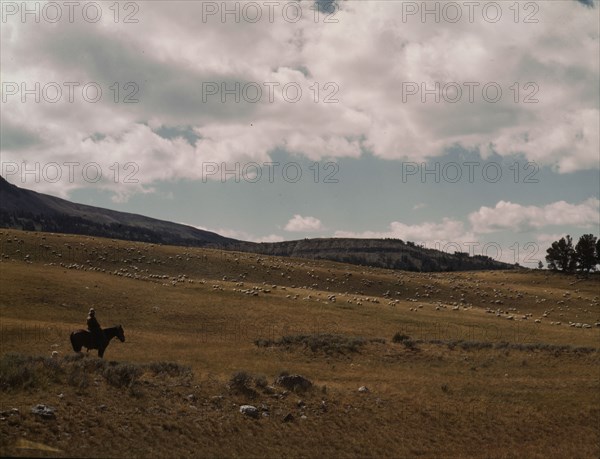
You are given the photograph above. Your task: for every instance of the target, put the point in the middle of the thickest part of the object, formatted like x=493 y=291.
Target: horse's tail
x=76 y=346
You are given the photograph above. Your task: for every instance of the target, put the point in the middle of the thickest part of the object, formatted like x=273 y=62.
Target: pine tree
x=561 y=255
x=585 y=253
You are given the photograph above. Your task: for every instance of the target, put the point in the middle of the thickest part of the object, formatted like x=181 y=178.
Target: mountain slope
x=28 y=210
x=380 y=253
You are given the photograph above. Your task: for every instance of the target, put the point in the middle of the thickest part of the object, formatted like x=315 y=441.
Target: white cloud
x=451 y=235
x=164 y=57
x=428 y=233
x=511 y=216
x=301 y=224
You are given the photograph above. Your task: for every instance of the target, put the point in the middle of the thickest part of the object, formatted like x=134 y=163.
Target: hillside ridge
x=28 y=210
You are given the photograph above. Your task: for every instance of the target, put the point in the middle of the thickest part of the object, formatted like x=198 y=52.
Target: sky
x=470 y=126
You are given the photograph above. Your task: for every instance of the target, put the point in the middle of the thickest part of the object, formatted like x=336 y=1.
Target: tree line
x=583 y=257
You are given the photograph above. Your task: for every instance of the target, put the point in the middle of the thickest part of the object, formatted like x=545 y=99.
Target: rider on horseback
x=94 y=328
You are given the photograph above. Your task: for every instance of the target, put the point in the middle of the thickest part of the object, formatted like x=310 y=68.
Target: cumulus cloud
x=427 y=233
x=511 y=216
x=453 y=235
x=550 y=116
x=301 y=224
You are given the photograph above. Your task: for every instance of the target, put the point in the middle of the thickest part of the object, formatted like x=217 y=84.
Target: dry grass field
x=456 y=365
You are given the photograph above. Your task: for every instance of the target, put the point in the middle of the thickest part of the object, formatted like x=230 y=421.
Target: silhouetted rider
x=94 y=328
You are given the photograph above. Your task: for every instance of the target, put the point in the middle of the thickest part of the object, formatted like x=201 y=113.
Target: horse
x=84 y=338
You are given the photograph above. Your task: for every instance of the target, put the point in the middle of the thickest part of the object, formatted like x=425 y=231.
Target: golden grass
x=432 y=401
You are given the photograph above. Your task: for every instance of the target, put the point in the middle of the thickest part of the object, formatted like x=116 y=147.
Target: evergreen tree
x=585 y=253
x=561 y=255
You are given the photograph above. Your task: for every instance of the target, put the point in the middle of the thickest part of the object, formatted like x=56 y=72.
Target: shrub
x=15 y=372
x=78 y=378
x=410 y=344
x=468 y=345
x=170 y=368
x=122 y=374
x=329 y=344
x=73 y=357
x=24 y=372
x=297 y=383
x=261 y=382
x=399 y=337
x=241 y=383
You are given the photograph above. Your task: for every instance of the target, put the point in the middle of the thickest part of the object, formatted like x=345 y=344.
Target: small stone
x=46 y=412
x=363 y=389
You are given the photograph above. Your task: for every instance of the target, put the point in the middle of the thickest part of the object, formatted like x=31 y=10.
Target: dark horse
x=83 y=338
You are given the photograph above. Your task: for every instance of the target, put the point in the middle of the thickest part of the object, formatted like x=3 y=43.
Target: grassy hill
x=469 y=364
x=28 y=210
x=380 y=253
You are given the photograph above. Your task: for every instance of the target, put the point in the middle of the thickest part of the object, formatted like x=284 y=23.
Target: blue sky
x=376 y=94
